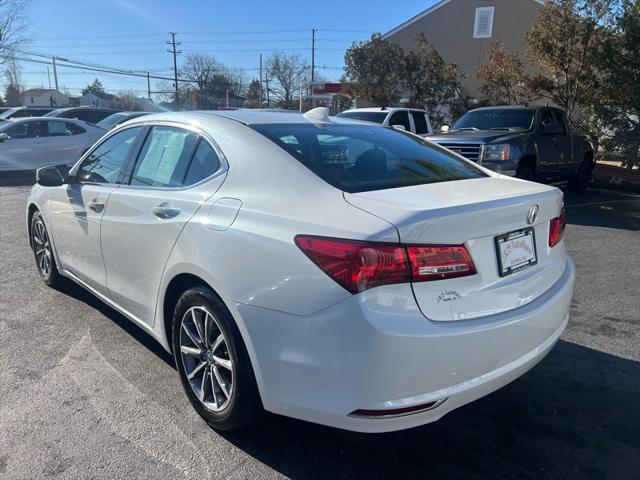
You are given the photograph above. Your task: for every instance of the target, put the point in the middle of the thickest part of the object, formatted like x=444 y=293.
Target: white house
x=98 y=100
x=44 y=97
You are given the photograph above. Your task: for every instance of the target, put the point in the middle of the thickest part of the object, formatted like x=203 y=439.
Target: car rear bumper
x=376 y=351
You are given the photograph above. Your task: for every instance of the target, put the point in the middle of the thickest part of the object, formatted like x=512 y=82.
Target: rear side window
x=358 y=158
x=377 y=117
x=420 y=121
x=400 y=118
x=74 y=129
x=165 y=157
x=205 y=163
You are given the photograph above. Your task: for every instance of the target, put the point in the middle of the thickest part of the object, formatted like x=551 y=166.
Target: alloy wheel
x=42 y=248
x=206 y=359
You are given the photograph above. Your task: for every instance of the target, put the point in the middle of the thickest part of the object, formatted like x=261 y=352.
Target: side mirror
x=53 y=176
x=551 y=130
x=4 y=136
x=399 y=127
x=444 y=128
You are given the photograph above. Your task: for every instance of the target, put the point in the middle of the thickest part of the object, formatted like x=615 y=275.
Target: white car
x=412 y=120
x=338 y=272
x=31 y=143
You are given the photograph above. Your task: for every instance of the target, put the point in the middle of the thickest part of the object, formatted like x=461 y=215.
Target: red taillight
x=358 y=265
x=556 y=228
x=439 y=262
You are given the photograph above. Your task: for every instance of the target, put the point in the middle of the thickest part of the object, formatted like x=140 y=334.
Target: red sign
x=327 y=88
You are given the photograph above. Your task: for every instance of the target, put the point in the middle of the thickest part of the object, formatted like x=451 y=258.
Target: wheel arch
x=31 y=210
x=179 y=283
x=529 y=160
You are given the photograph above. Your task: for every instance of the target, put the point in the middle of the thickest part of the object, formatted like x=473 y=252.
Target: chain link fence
x=614 y=146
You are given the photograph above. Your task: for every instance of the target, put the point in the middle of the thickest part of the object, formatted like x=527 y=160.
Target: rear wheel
x=213 y=362
x=525 y=172
x=43 y=251
x=580 y=181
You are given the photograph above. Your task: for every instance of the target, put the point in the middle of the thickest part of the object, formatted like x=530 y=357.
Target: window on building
x=483 y=24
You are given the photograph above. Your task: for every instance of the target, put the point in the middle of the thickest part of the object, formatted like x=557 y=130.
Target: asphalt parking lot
x=85 y=394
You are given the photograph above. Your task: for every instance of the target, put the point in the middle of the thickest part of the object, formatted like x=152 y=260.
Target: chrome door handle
x=164 y=211
x=96 y=205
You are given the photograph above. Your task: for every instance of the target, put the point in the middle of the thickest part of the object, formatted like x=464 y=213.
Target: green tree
x=374 y=68
x=253 y=94
x=502 y=78
x=618 y=106
x=565 y=40
x=94 y=87
x=432 y=84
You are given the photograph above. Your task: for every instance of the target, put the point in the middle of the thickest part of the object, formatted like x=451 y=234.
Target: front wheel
x=43 y=251
x=213 y=362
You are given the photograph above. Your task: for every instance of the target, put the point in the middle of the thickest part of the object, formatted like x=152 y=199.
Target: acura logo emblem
x=533 y=214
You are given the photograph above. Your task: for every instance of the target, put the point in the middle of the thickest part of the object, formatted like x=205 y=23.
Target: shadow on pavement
x=575 y=415
x=17 y=179
x=76 y=291
x=601 y=208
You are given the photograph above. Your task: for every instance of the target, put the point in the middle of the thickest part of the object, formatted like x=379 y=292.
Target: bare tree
x=287 y=77
x=13 y=75
x=13 y=25
x=201 y=68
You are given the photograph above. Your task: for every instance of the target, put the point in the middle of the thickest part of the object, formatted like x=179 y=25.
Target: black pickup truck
x=533 y=143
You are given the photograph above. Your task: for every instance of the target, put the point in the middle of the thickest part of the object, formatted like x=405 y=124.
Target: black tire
x=43 y=251
x=580 y=180
x=525 y=172
x=244 y=407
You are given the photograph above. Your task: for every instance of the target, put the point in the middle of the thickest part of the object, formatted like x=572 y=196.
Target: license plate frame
x=509 y=237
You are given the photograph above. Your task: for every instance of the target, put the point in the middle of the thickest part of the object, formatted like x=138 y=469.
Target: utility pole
x=55 y=73
x=175 y=65
x=266 y=80
x=313 y=54
x=313 y=65
x=261 y=81
x=148 y=86
x=49 y=76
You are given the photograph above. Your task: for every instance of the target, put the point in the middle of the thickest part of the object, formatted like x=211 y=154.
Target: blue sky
x=131 y=34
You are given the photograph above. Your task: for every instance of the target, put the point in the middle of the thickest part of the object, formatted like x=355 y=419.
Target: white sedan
x=34 y=142
x=339 y=272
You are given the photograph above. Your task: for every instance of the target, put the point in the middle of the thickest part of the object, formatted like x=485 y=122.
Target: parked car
x=20 y=112
x=116 y=119
x=31 y=143
x=410 y=119
x=532 y=143
x=87 y=114
x=334 y=271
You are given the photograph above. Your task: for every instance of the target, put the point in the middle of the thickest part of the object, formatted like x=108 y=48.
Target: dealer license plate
x=516 y=251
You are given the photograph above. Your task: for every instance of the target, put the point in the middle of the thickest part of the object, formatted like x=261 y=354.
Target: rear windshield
x=377 y=117
x=360 y=158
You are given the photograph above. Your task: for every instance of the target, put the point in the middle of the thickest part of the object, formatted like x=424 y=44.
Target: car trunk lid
x=473 y=213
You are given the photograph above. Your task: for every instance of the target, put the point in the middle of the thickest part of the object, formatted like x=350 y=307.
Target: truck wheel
x=580 y=180
x=525 y=172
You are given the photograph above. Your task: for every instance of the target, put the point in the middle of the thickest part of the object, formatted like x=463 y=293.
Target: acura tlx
x=326 y=269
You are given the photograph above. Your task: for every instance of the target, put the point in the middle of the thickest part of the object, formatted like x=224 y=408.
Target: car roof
x=506 y=107
x=247 y=117
x=15 y=121
x=382 y=109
